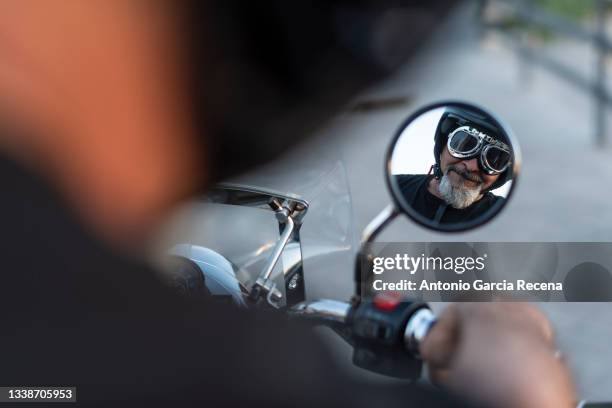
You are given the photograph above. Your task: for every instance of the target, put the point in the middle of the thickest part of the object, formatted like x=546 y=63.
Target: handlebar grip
x=417 y=328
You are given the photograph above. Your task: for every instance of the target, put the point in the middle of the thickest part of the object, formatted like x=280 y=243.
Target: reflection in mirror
x=451 y=167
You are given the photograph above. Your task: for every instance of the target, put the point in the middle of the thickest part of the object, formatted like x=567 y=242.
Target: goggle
x=466 y=142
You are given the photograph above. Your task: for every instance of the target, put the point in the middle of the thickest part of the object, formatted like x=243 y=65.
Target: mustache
x=468 y=175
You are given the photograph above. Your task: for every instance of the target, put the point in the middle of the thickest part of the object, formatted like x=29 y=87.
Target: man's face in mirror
x=463 y=180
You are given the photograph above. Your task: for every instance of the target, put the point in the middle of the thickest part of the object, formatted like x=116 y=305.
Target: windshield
x=246 y=235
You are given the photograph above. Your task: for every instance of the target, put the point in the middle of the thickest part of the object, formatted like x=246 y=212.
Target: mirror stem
x=370 y=232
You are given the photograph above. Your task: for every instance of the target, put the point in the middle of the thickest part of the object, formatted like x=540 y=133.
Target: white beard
x=458 y=196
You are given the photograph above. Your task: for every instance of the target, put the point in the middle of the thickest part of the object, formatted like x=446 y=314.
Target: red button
x=387 y=301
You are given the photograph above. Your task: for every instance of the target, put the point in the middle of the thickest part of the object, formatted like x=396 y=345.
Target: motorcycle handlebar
x=334 y=313
x=323 y=311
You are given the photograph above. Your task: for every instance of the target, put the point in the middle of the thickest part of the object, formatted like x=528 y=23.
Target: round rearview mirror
x=452 y=166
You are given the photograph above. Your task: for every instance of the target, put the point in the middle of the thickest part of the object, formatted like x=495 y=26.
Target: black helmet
x=454 y=117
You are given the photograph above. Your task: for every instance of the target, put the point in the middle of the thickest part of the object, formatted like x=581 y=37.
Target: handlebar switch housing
x=378 y=331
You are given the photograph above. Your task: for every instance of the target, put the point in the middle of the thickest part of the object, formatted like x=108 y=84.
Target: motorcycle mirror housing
x=452 y=166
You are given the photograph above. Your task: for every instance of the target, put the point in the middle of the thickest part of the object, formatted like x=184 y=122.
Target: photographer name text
x=476 y=285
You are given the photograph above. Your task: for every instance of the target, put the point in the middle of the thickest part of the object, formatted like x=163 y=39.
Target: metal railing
x=527 y=13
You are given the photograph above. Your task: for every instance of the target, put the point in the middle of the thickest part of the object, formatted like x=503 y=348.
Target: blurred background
x=542 y=67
